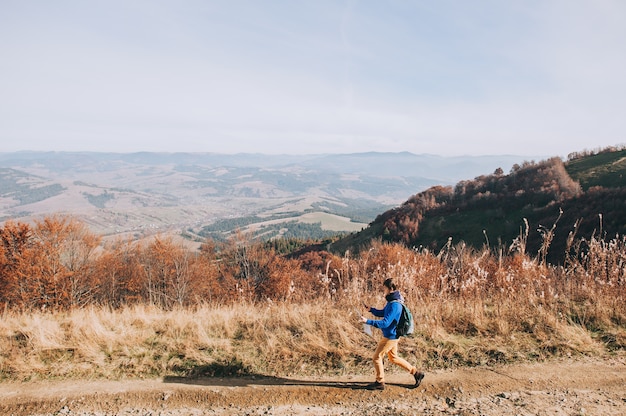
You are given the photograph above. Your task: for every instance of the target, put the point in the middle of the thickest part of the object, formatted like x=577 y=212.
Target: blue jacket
x=390 y=314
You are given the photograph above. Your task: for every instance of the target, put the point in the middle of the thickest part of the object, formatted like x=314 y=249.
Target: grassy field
x=324 y=338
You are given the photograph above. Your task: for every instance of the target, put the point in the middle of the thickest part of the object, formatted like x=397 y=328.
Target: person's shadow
x=235 y=376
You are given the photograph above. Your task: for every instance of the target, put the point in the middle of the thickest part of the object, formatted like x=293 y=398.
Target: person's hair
x=390 y=284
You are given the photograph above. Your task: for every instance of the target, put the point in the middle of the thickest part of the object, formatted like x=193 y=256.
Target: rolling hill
x=585 y=196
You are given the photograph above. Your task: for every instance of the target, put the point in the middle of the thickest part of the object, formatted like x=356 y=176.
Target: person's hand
x=366 y=307
x=363 y=319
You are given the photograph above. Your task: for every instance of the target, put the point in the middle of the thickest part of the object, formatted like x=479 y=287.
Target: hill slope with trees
x=538 y=207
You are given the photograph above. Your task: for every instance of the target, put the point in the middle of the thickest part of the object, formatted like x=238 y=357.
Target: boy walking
x=389 y=343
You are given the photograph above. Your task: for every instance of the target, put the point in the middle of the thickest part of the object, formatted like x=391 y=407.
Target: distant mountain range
x=207 y=194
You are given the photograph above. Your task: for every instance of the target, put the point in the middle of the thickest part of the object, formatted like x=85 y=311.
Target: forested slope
x=537 y=205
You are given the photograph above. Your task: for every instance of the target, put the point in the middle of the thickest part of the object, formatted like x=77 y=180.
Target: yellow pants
x=389 y=347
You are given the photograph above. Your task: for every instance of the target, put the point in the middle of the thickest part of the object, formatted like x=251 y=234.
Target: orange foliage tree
x=15 y=244
x=48 y=265
x=167 y=273
x=119 y=274
x=61 y=261
x=248 y=271
x=208 y=284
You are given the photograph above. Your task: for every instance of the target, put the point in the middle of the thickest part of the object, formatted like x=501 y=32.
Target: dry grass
x=283 y=339
x=147 y=342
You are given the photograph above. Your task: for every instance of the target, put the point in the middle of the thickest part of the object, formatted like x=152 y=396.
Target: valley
x=141 y=194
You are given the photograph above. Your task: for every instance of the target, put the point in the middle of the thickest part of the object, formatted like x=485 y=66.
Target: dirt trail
x=570 y=387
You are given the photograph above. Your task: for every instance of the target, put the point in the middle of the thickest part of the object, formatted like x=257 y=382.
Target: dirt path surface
x=571 y=387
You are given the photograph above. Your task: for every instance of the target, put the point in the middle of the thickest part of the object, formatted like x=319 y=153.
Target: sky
x=440 y=77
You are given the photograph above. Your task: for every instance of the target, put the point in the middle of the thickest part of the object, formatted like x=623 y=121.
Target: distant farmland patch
x=331 y=222
x=318 y=225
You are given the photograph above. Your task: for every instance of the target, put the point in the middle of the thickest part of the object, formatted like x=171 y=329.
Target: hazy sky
x=313 y=76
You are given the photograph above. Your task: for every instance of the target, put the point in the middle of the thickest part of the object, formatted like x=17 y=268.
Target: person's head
x=390 y=285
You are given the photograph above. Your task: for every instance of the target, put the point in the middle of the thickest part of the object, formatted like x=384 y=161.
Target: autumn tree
x=167 y=268
x=256 y=272
x=15 y=244
x=321 y=278
x=208 y=283
x=61 y=259
x=120 y=274
x=79 y=250
x=47 y=265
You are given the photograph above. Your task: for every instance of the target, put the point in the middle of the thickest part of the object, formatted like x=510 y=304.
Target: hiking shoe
x=418 y=378
x=375 y=386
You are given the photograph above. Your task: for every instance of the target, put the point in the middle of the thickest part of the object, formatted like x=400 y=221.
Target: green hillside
x=604 y=169
x=585 y=195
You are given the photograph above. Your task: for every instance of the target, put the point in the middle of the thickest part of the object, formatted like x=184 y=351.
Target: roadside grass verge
x=318 y=339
